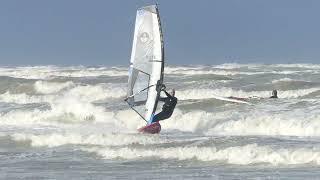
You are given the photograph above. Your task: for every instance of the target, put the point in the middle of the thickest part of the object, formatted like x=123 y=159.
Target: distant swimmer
x=168 y=107
x=274 y=94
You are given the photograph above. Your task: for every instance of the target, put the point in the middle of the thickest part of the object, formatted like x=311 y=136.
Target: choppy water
x=72 y=123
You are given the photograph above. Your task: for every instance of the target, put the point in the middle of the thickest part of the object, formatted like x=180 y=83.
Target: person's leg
x=160 y=116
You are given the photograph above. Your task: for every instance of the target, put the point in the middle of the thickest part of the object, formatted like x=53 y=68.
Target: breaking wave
x=241 y=155
x=210 y=71
x=306 y=66
x=49 y=72
x=298 y=123
x=50 y=91
x=227 y=92
x=253 y=122
x=282 y=80
x=105 y=139
x=45 y=87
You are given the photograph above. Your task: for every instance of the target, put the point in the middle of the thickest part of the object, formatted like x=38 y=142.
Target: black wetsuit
x=167 y=109
x=274 y=94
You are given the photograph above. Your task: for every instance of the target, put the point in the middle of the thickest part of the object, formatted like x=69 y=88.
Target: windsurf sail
x=146 y=64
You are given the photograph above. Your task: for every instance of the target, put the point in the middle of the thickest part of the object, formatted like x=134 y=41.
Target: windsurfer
x=168 y=107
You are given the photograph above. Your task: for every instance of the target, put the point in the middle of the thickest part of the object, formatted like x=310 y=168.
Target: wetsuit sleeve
x=164 y=98
x=167 y=93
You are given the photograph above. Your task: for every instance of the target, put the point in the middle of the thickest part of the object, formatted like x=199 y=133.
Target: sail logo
x=141 y=12
x=144 y=37
x=151 y=57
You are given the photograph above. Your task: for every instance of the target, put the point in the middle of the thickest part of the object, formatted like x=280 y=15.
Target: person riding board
x=168 y=107
x=274 y=95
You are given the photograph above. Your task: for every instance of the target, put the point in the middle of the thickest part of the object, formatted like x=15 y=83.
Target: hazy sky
x=99 y=32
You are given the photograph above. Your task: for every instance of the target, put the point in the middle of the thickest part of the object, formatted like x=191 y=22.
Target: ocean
x=71 y=122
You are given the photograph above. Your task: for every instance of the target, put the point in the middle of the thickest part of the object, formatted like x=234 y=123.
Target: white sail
x=146 y=64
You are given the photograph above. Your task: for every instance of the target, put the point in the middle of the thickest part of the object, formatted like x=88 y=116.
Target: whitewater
x=70 y=122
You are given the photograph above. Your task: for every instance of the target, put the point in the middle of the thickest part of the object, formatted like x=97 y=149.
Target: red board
x=151 y=128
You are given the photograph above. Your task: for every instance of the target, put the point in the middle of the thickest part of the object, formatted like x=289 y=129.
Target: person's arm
x=162 y=87
x=164 y=98
x=168 y=95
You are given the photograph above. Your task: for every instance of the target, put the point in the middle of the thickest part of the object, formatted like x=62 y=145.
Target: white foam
x=128 y=119
x=182 y=68
x=227 y=92
x=193 y=121
x=215 y=70
x=210 y=71
x=231 y=70
x=97 y=92
x=88 y=93
x=306 y=66
x=48 y=72
x=66 y=108
x=255 y=66
x=46 y=87
x=242 y=155
x=282 y=80
x=236 y=66
x=114 y=139
x=72 y=109
x=23 y=98
x=301 y=122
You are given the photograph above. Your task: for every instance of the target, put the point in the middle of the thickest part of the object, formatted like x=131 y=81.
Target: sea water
x=72 y=123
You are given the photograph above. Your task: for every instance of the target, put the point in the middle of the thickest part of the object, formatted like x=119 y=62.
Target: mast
x=162 y=56
x=161 y=39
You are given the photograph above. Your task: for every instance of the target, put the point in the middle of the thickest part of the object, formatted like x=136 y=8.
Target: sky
x=100 y=32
